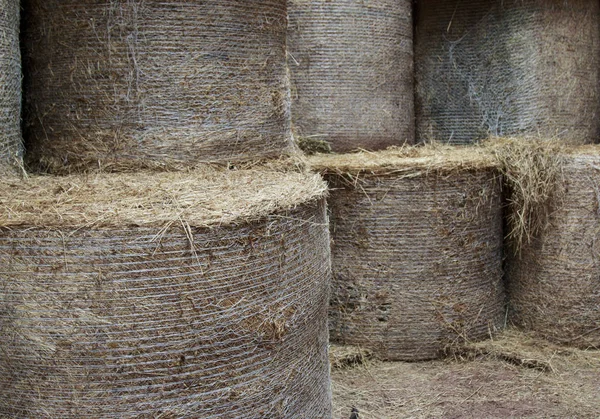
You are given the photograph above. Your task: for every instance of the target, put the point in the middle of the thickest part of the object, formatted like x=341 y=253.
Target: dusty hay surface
x=488 y=383
x=351 y=66
x=341 y=356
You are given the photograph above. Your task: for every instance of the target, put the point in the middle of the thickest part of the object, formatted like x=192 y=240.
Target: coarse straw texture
x=11 y=142
x=507 y=68
x=351 y=66
x=417 y=250
x=118 y=85
x=166 y=321
x=553 y=281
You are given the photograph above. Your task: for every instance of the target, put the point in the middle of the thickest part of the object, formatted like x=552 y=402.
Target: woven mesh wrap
x=416 y=258
x=169 y=322
x=352 y=72
x=11 y=149
x=554 y=283
x=133 y=83
x=516 y=67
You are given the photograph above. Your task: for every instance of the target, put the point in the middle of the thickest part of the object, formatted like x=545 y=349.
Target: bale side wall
x=416 y=262
x=129 y=84
x=351 y=66
x=139 y=323
x=511 y=68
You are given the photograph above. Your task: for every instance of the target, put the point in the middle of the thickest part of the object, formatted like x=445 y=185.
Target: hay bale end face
x=554 y=284
x=11 y=143
x=134 y=84
x=351 y=67
x=417 y=250
x=507 y=68
x=172 y=295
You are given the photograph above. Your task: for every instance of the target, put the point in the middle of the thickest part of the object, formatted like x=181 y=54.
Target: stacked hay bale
x=553 y=273
x=352 y=74
x=507 y=68
x=11 y=149
x=164 y=295
x=130 y=84
x=417 y=249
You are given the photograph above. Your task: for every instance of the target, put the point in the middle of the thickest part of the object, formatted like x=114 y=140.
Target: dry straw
x=352 y=73
x=11 y=148
x=145 y=83
x=417 y=249
x=164 y=296
x=507 y=68
x=554 y=281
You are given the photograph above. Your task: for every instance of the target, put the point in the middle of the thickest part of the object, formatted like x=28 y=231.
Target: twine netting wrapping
x=416 y=258
x=11 y=148
x=554 y=283
x=143 y=83
x=351 y=66
x=172 y=322
x=507 y=68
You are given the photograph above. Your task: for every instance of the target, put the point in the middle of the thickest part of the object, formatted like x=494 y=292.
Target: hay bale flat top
x=409 y=160
x=207 y=197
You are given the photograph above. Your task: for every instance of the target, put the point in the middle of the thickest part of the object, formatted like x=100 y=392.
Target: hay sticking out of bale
x=163 y=308
x=507 y=68
x=417 y=249
x=11 y=143
x=553 y=281
x=351 y=66
x=130 y=84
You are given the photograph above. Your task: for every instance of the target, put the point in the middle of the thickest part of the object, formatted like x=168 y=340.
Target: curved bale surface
x=554 y=284
x=11 y=142
x=507 y=68
x=175 y=296
x=417 y=250
x=351 y=65
x=130 y=84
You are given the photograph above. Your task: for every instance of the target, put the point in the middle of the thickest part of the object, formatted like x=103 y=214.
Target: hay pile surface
x=507 y=68
x=417 y=249
x=133 y=84
x=11 y=147
x=178 y=295
x=351 y=66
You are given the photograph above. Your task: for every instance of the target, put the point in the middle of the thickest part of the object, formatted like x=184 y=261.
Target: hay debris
x=117 y=86
x=417 y=249
x=134 y=317
x=11 y=141
x=351 y=66
x=507 y=68
x=344 y=356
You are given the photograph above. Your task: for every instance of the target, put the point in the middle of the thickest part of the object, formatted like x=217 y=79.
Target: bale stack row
x=152 y=291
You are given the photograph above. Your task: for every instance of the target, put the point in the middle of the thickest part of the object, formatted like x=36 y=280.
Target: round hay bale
x=144 y=83
x=351 y=67
x=507 y=68
x=553 y=283
x=11 y=144
x=417 y=250
x=174 y=296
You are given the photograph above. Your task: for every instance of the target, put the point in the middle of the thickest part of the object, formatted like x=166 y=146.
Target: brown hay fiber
x=135 y=84
x=554 y=281
x=351 y=66
x=507 y=68
x=417 y=249
x=11 y=142
x=165 y=307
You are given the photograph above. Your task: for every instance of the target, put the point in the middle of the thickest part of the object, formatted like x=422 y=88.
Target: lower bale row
x=136 y=296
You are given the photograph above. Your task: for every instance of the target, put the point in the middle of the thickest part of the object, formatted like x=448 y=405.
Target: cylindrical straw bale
x=507 y=68
x=144 y=83
x=171 y=296
x=554 y=282
x=417 y=250
x=351 y=67
x=11 y=144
